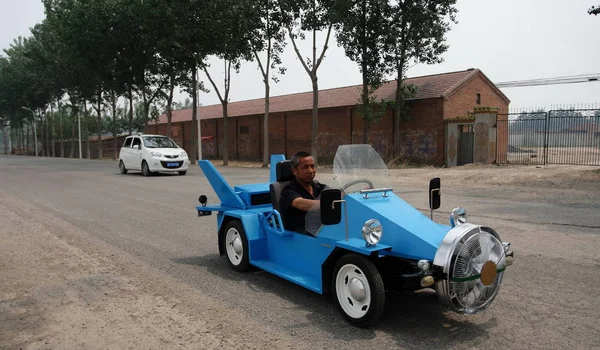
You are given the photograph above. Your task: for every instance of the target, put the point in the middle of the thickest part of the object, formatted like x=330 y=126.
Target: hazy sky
x=507 y=39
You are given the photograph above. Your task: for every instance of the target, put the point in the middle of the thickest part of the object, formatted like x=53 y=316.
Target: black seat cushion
x=284 y=171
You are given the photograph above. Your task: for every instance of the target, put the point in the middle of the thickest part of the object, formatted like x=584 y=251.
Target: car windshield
x=158 y=142
x=355 y=168
x=359 y=167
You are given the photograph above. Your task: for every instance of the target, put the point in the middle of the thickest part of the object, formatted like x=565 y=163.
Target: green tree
x=299 y=17
x=363 y=29
x=269 y=39
x=237 y=20
x=418 y=33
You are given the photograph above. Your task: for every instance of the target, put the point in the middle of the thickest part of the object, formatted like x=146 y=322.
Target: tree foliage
x=114 y=64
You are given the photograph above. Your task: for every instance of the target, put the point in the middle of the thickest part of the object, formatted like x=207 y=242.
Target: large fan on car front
x=475 y=275
x=474 y=261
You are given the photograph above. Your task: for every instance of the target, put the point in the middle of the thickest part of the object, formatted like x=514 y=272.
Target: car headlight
x=372 y=231
x=156 y=154
x=458 y=217
x=183 y=154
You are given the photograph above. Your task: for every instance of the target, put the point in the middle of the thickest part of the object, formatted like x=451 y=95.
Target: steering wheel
x=357 y=181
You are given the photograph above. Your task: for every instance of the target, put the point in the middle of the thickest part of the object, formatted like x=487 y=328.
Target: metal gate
x=565 y=136
x=466 y=144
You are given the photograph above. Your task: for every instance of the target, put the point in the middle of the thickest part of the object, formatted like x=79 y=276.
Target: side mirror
x=435 y=194
x=136 y=146
x=331 y=209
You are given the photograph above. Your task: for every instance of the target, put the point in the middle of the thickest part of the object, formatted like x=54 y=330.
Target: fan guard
x=474 y=265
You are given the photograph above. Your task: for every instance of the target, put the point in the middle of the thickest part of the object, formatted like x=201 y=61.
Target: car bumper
x=163 y=164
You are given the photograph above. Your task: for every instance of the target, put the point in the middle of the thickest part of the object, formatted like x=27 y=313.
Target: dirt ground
x=91 y=297
x=94 y=299
x=565 y=183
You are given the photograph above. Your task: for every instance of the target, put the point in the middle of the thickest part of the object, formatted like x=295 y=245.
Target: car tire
x=183 y=172
x=122 y=168
x=236 y=246
x=145 y=169
x=358 y=290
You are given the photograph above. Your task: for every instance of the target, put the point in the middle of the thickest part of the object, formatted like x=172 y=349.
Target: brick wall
x=422 y=136
x=463 y=101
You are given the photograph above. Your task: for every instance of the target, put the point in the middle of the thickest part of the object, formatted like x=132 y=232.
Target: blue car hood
x=411 y=234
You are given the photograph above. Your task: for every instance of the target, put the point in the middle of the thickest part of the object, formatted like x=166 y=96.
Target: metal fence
x=558 y=136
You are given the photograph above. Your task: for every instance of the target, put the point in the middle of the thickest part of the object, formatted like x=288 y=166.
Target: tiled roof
x=429 y=86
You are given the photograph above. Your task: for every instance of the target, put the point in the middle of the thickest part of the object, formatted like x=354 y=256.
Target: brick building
x=441 y=108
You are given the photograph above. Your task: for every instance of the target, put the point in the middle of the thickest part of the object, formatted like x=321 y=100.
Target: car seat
x=284 y=176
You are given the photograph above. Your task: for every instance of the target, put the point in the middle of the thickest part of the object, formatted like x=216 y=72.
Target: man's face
x=306 y=171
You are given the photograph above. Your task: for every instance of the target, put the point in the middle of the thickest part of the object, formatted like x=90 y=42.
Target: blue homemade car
x=361 y=240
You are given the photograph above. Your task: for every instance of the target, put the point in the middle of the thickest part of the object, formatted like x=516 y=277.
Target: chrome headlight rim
x=372 y=231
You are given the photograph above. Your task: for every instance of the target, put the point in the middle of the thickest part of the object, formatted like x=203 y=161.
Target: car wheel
x=236 y=246
x=183 y=172
x=358 y=290
x=122 y=167
x=145 y=169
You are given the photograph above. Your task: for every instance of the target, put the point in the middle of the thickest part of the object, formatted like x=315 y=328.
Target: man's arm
x=304 y=204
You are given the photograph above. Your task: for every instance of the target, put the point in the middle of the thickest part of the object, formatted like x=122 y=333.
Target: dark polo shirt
x=295 y=218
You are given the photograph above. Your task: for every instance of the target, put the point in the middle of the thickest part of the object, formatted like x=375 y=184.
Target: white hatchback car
x=152 y=153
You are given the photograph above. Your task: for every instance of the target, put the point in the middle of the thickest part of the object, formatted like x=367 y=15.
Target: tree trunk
x=20 y=135
x=196 y=139
x=146 y=112
x=99 y=126
x=53 y=126
x=170 y=105
x=43 y=134
x=266 y=124
x=73 y=122
x=315 y=117
x=60 y=132
x=399 y=107
x=114 y=128
x=130 y=111
x=225 y=134
x=86 y=131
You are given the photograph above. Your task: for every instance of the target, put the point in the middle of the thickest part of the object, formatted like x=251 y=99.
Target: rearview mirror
x=435 y=193
x=331 y=209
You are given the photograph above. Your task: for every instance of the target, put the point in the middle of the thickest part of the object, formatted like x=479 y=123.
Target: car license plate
x=172 y=164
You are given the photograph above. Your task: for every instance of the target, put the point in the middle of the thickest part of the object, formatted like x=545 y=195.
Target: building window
x=244 y=130
x=478 y=99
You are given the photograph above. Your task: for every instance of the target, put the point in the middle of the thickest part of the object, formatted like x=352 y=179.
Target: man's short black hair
x=295 y=161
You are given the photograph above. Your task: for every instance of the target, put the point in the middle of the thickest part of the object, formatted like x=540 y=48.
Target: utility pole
x=34 y=129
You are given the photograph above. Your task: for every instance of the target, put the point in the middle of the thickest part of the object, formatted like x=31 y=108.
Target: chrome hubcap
x=237 y=245
x=357 y=290
x=234 y=246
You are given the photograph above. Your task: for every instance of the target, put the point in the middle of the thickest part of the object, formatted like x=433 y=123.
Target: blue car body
x=414 y=253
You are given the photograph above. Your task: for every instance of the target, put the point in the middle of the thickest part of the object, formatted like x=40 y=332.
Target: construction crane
x=574 y=79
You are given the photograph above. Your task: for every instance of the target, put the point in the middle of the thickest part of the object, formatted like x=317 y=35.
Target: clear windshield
x=158 y=142
x=355 y=168
x=359 y=167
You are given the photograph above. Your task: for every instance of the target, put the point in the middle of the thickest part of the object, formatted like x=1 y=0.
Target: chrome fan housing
x=473 y=261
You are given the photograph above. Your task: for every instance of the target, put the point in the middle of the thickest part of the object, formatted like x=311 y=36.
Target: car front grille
x=171 y=156
x=171 y=165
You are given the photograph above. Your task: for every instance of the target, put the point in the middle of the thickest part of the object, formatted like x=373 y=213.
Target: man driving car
x=300 y=194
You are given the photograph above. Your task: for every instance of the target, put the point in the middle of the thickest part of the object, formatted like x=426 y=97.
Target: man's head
x=303 y=167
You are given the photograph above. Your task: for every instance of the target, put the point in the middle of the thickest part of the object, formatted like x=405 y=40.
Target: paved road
x=548 y=299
